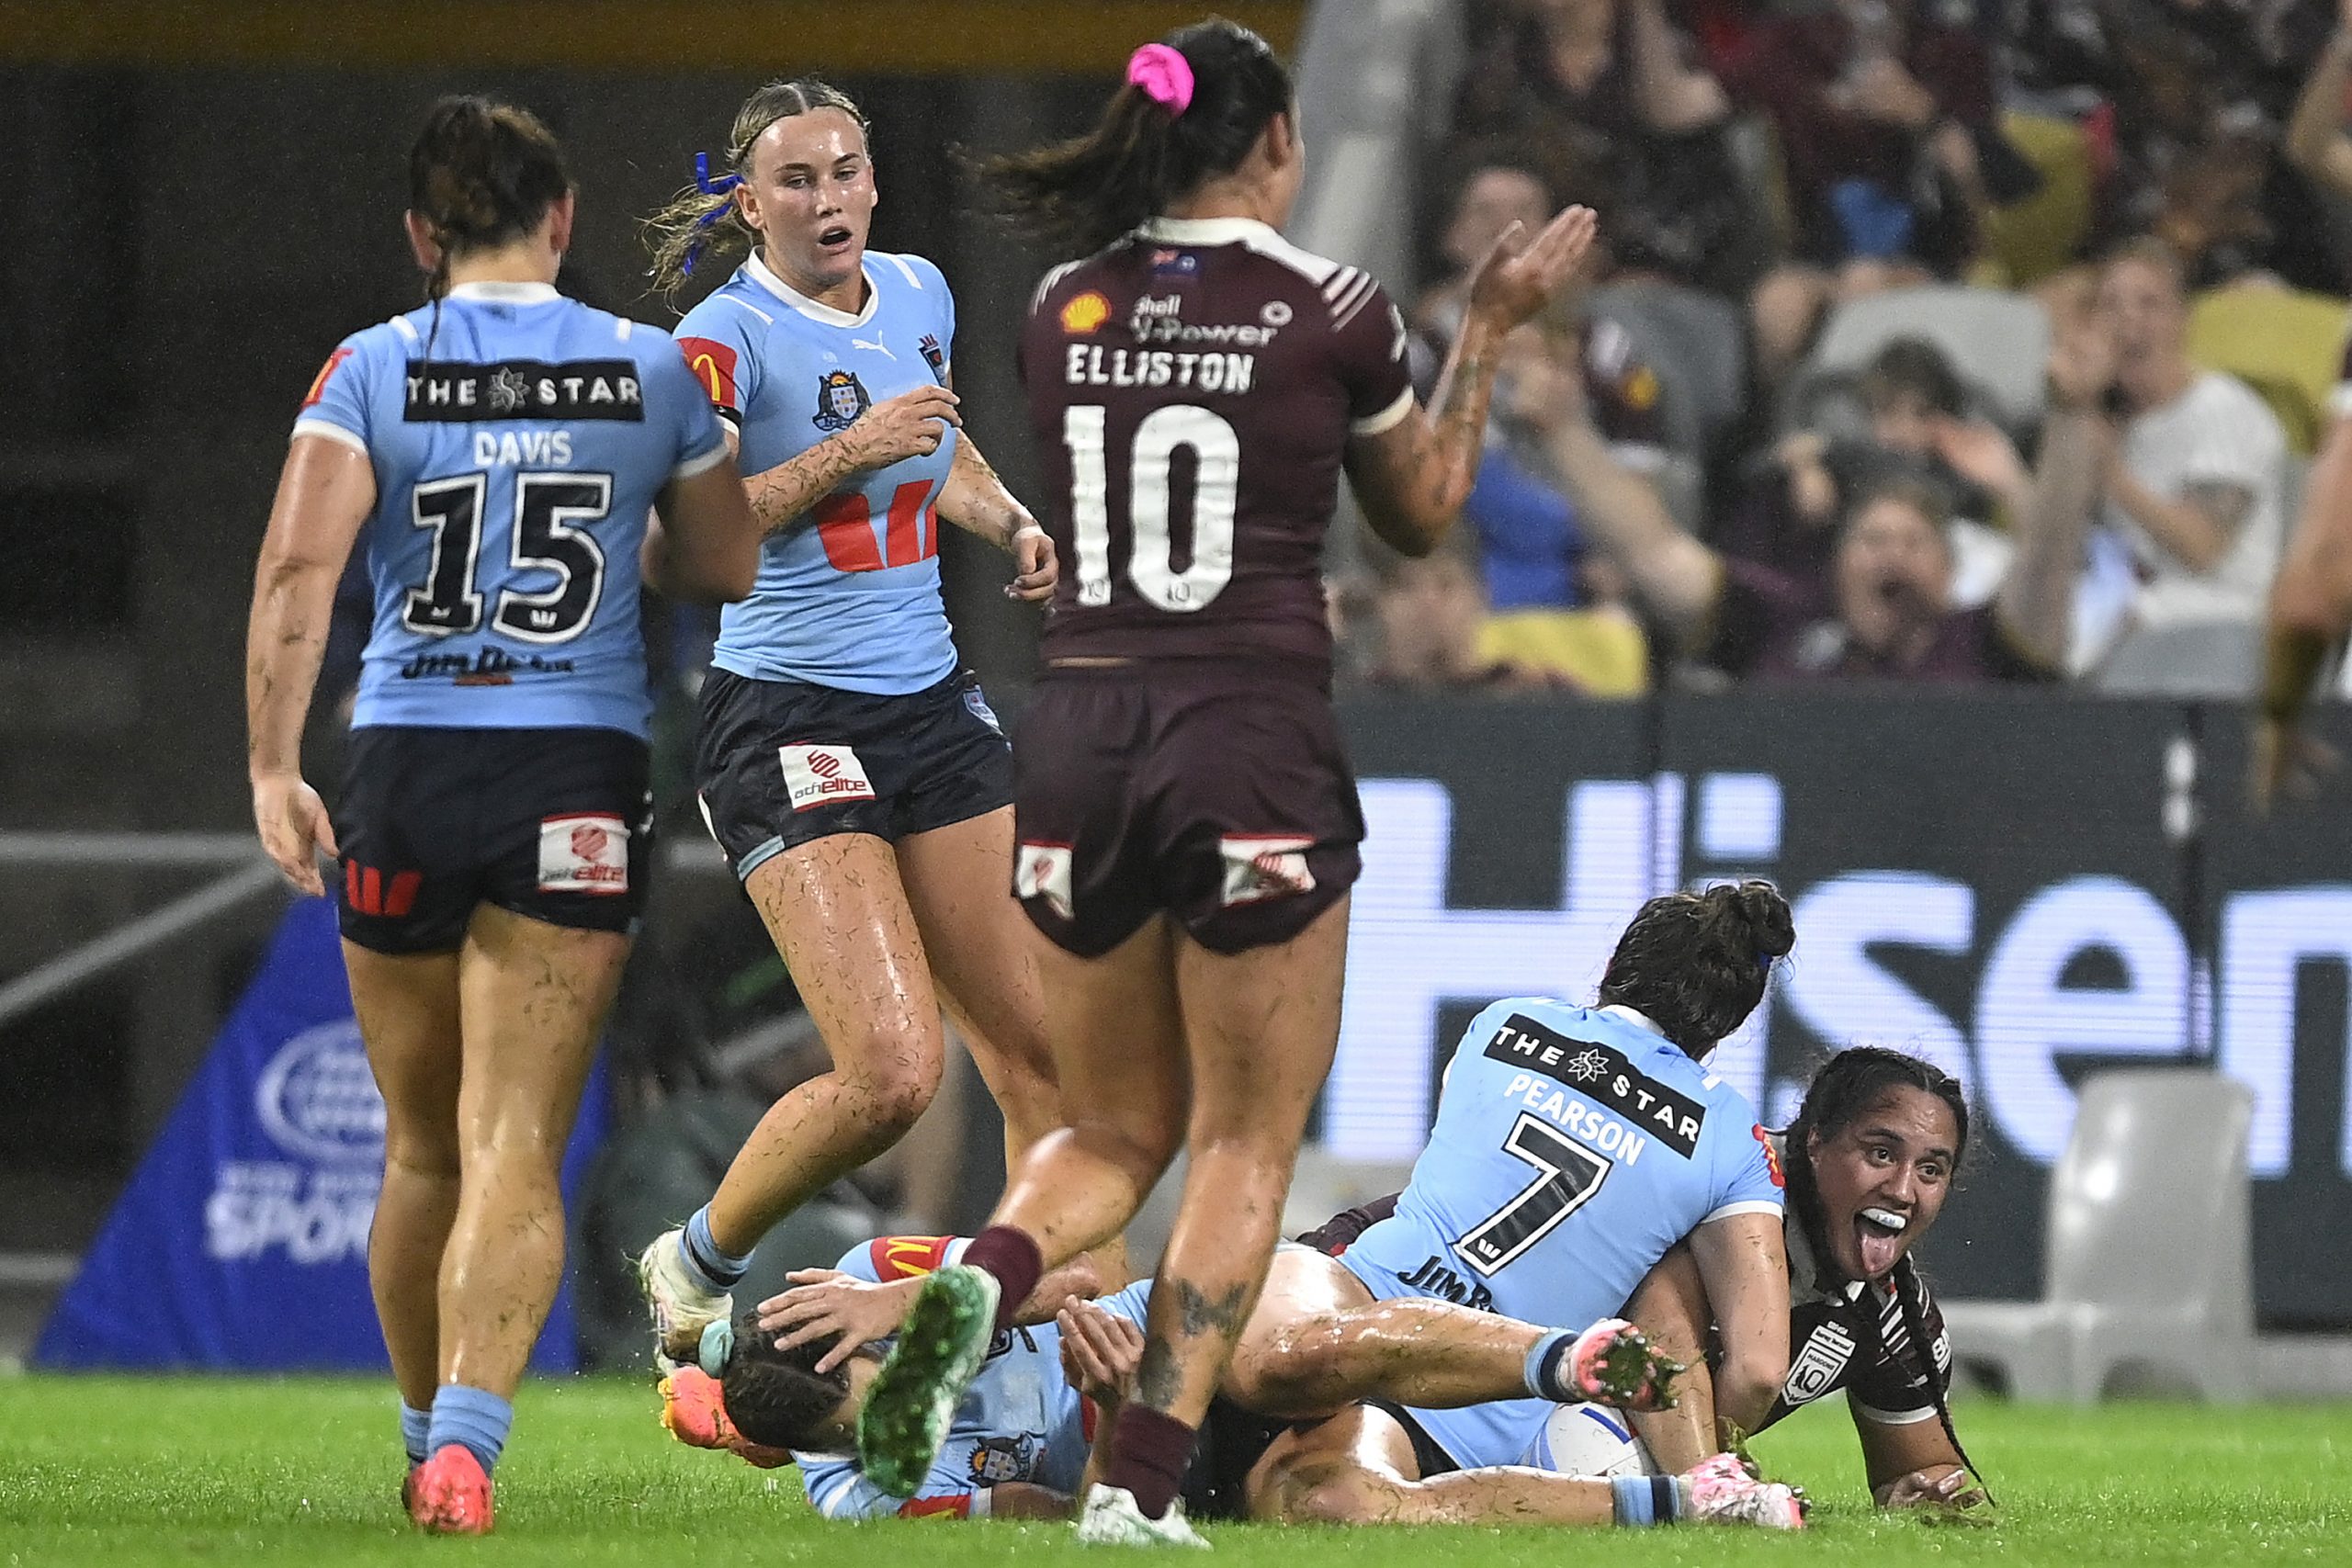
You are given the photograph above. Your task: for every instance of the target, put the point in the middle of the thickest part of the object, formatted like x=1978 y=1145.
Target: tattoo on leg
x=1201 y=1315
x=1159 y=1379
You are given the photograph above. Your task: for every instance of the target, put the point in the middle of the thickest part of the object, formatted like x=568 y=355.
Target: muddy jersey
x=1192 y=390
x=1850 y=1334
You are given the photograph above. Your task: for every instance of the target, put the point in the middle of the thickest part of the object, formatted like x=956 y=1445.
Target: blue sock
x=718 y=1269
x=1545 y=1361
x=473 y=1417
x=415 y=1427
x=1638 y=1500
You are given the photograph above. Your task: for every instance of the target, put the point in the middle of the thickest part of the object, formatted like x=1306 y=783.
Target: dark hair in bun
x=481 y=174
x=1696 y=963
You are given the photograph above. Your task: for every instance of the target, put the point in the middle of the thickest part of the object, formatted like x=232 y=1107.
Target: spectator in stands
x=1885 y=122
x=1916 y=422
x=1642 y=127
x=1531 y=546
x=2189 y=461
x=1430 y=613
x=1495 y=183
x=1890 y=611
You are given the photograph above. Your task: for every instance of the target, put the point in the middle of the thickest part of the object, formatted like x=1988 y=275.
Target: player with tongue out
x=1869 y=1162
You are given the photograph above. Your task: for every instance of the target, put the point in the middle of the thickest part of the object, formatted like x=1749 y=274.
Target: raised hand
x=1518 y=276
x=911 y=425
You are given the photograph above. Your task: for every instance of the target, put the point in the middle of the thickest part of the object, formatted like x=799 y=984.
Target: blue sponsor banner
x=242 y=1242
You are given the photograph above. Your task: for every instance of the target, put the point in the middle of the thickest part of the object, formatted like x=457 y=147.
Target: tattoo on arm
x=784 y=495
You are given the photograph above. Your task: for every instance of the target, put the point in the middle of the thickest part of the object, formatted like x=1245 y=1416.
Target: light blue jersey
x=1019 y=1420
x=518 y=443
x=848 y=597
x=1573 y=1147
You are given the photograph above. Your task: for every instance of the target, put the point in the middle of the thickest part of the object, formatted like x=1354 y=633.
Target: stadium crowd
x=1924 y=339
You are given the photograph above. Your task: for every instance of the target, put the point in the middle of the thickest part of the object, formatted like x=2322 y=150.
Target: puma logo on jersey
x=877 y=345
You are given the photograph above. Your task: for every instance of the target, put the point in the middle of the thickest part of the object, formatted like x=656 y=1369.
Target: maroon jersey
x=1193 y=389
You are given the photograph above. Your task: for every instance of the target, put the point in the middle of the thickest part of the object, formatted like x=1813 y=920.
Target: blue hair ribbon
x=708 y=187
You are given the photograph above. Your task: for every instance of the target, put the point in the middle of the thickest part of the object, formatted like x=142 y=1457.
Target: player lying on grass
x=1869 y=1164
x=1018 y=1446
x=1869 y=1161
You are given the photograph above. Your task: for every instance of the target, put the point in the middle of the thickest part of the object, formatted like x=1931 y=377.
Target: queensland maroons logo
x=317 y=1099
x=840 y=399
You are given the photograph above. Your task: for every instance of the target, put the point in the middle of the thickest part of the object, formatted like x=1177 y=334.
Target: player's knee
x=897 y=1090
x=431 y=1152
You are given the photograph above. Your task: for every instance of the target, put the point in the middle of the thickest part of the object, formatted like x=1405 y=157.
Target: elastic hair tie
x=1164 y=74
x=708 y=187
x=717 y=1344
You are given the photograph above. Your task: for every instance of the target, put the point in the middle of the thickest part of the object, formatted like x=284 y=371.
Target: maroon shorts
x=1216 y=791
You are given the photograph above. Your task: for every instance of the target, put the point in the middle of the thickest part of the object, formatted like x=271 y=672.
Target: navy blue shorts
x=778 y=764
x=553 y=824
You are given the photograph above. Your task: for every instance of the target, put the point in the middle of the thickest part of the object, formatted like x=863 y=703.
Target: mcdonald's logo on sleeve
x=908 y=1257
x=326 y=373
x=713 y=364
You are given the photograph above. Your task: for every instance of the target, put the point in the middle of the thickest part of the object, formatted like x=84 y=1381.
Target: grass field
x=137 y=1471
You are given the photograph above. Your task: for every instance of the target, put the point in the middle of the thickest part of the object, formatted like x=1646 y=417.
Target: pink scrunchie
x=1164 y=74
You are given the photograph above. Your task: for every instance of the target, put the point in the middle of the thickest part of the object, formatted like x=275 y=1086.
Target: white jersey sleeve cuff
x=982 y=1504
x=332 y=431
x=1386 y=419
x=1743 y=1206
x=1890 y=1418
x=700 y=463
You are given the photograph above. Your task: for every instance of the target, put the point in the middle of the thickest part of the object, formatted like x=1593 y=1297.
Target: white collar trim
x=1210 y=232
x=816 y=311
x=505 y=293
x=1634 y=1016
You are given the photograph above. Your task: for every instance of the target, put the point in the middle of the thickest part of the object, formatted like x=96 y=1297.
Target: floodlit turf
x=137 y=1471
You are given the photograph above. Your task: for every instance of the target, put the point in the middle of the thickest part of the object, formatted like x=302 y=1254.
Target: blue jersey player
x=850 y=769
x=1573 y=1147
x=499 y=451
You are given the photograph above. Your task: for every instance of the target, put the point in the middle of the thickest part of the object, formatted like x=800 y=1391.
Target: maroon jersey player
x=1187 y=822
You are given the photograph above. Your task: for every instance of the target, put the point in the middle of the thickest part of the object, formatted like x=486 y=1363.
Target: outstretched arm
x=1914 y=1465
x=2311 y=605
x=2037 y=598
x=1413 y=478
x=1679 y=579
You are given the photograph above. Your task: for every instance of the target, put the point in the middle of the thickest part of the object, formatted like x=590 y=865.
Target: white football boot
x=1112 y=1518
x=680 y=1306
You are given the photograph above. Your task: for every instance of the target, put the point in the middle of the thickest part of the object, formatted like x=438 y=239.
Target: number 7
x=1570 y=1175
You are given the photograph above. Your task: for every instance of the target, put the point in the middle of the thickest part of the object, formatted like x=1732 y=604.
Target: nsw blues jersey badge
x=841 y=400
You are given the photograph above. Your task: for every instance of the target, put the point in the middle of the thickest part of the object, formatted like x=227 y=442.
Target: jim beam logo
x=447 y=391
